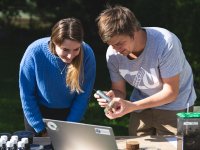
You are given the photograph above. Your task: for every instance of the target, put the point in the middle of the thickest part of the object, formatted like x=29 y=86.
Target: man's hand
x=119 y=108
x=102 y=102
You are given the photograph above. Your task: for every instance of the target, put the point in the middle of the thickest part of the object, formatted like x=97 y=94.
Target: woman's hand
x=43 y=133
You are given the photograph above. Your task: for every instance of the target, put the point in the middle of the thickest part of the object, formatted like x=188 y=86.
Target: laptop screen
x=79 y=136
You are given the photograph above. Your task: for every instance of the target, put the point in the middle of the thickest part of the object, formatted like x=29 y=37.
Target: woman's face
x=68 y=50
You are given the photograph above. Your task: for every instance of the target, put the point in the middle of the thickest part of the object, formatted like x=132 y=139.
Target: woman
x=56 y=76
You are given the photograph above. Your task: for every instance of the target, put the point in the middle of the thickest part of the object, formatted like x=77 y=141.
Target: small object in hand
x=132 y=145
x=103 y=95
x=107 y=98
x=113 y=106
x=109 y=107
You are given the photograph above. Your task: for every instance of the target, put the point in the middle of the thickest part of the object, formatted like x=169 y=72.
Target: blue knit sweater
x=40 y=82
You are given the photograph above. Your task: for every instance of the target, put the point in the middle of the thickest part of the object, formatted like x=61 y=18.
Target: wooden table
x=149 y=142
x=145 y=142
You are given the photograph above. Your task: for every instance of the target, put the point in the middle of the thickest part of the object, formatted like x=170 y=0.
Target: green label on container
x=189 y=115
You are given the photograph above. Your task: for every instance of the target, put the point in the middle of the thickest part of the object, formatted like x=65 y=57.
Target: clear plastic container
x=188 y=126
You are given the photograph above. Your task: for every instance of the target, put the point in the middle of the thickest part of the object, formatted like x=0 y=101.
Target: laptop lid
x=79 y=136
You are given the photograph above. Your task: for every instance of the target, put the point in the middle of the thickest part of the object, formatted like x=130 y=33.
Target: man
x=151 y=60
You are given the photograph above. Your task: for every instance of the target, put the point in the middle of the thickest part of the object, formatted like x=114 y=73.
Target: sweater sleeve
x=80 y=103
x=28 y=90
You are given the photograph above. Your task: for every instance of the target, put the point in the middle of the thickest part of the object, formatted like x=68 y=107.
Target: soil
x=191 y=141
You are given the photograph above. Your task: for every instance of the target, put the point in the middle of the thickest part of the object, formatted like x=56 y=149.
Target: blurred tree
x=9 y=10
x=179 y=16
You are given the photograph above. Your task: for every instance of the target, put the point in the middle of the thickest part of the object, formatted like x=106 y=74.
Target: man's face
x=123 y=44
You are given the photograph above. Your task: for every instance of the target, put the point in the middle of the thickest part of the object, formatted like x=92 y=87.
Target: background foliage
x=23 y=21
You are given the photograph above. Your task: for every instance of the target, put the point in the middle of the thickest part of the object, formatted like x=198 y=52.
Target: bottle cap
x=9 y=144
x=20 y=144
x=25 y=134
x=6 y=133
x=25 y=140
x=13 y=140
x=14 y=137
x=5 y=137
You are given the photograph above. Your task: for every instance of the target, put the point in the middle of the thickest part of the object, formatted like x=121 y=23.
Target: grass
x=10 y=108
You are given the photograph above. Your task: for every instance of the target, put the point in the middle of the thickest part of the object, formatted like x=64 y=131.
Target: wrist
x=41 y=133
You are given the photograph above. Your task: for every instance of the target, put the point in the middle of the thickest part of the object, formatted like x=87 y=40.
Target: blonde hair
x=73 y=78
x=70 y=28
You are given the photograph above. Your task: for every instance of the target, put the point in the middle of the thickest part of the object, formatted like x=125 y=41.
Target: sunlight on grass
x=11 y=118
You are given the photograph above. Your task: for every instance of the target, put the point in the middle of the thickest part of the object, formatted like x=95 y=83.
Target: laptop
x=66 y=135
